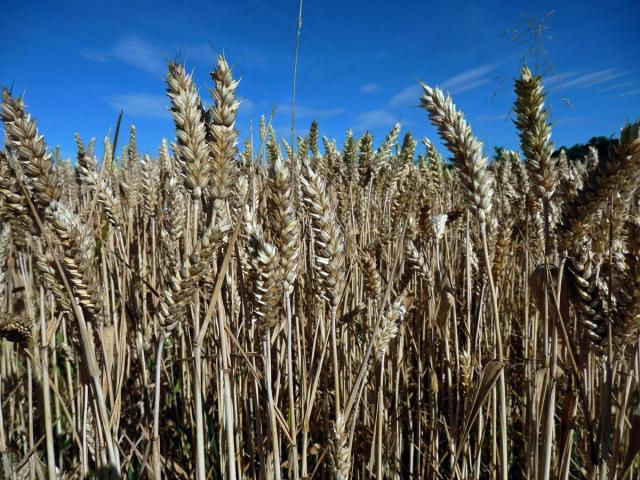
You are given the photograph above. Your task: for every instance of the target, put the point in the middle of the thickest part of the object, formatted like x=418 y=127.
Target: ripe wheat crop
x=308 y=311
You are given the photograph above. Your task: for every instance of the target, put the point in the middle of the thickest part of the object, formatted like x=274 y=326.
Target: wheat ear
x=187 y=112
x=466 y=148
x=30 y=149
x=225 y=136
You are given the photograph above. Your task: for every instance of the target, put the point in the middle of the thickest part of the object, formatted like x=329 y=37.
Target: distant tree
x=579 y=150
x=498 y=152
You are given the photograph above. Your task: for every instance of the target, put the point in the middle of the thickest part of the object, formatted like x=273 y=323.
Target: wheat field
x=284 y=309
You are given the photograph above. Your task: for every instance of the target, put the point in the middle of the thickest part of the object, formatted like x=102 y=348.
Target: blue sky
x=79 y=63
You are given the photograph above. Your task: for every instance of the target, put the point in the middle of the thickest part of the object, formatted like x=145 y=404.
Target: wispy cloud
x=274 y=13
x=243 y=56
x=570 y=120
x=628 y=94
x=139 y=53
x=132 y=50
x=308 y=111
x=619 y=86
x=291 y=19
x=462 y=82
x=406 y=97
x=375 y=119
x=141 y=105
x=493 y=117
x=370 y=88
x=246 y=106
x=591 y=79
x=469 y=86
x=410 y=96
x=469 y=79
x=94 y=56
x=559 y=78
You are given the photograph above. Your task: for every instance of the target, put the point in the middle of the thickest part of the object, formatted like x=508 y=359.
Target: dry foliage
x=355 y=313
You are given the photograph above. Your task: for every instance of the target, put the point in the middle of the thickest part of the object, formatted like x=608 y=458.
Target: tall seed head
x=225 y=137
x=469 y=160
x=30 y=149
x=187 y=112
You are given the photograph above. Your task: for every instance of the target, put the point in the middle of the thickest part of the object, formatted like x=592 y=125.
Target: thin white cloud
x=94 y=56
x=570 y=120
x=307 y=111
x=249 y=57
x=628 y=94
x=468 y=79
x=141 y=105
x=139 y=53
x=274 y=13
x=291 y=18
x=462 y=82
x=493 y=118
x=143 y=55
x=246 y=106
x=594 y=78
x=242 y=56
x=375 y=119
x=619 y=86
x=283 y=131
x=468 y=86
x=133 y=51
x=198 y=53
x=370 y=88
x=406 y=97
x=559 y=78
